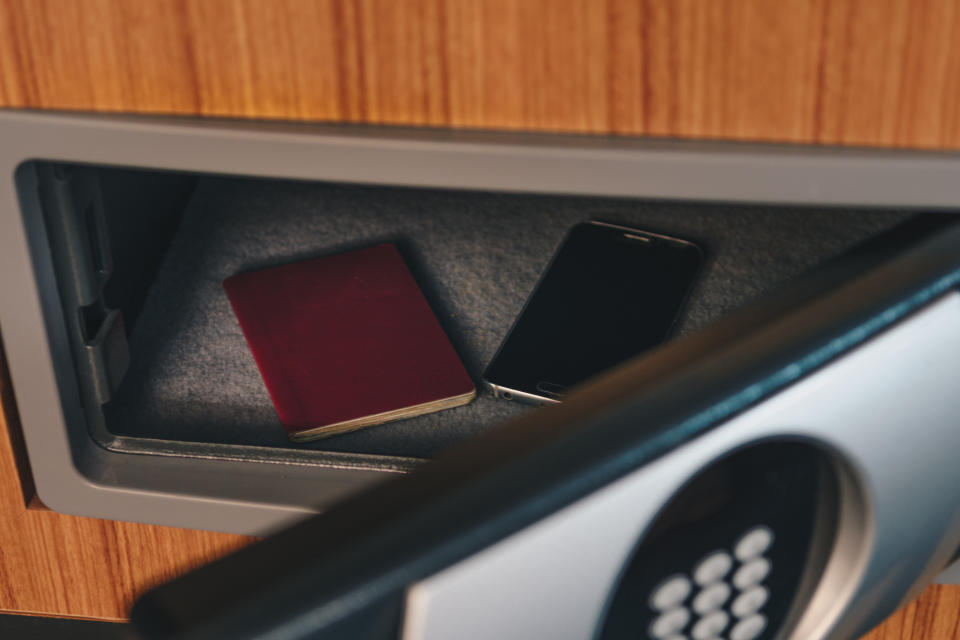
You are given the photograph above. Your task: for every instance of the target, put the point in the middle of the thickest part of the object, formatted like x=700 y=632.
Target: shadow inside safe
x=162 y=244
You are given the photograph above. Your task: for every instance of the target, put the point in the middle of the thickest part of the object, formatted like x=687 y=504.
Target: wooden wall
x=865 y=72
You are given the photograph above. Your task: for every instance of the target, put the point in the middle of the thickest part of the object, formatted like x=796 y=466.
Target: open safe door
x=789 y=472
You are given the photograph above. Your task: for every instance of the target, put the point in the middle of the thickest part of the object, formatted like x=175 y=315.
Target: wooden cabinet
x=860 y=72
x=865 y=72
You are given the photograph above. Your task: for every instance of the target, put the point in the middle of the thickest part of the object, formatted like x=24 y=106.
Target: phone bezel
x=531 y=395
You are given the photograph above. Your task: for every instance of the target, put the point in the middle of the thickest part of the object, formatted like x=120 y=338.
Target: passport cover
x=347 y=341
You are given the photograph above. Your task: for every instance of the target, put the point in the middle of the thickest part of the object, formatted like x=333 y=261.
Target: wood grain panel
x=874 y=72
x=935 y=615
x=53 y=564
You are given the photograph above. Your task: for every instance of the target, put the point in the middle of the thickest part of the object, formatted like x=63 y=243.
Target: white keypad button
x=751 y=573
x=710 y=625
x=670 y=593
x=750 y=601
x=753 y=543
x=748 y=628
x=669 y=623
x=679 y=636
x=712 y=568
x=713 y=597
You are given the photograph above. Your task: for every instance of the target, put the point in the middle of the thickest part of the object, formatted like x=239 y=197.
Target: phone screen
x=609 y=294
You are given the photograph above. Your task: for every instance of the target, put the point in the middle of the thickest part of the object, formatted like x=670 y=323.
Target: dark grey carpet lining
x=476 y=256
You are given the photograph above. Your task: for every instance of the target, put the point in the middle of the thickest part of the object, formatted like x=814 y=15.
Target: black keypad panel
x=724 y=592
x=725 y=558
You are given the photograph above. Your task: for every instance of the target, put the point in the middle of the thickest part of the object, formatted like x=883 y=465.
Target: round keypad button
x=751 y=573
x=710 y=625
x=753 y=543
x=713 y=568
x=711 y=598
x=670 y=593
x=669 y=623
x=750 y=601
x=748 y=628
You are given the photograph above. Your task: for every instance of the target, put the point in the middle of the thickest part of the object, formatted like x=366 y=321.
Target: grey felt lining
x=475 y=255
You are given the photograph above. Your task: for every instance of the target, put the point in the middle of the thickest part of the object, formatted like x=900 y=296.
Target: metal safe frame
x=249 y=491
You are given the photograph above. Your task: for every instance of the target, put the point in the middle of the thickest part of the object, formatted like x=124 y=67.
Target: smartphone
x=610 y=293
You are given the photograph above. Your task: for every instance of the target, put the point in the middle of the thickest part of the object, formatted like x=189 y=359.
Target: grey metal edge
x=75 y=475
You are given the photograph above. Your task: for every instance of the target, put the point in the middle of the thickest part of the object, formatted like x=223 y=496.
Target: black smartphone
x=609 y=294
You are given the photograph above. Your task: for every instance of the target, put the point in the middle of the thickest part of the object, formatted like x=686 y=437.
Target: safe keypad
x=726 y=557
x=723 y=596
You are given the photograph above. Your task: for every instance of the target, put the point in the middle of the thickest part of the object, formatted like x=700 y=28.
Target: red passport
x=347 y=341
